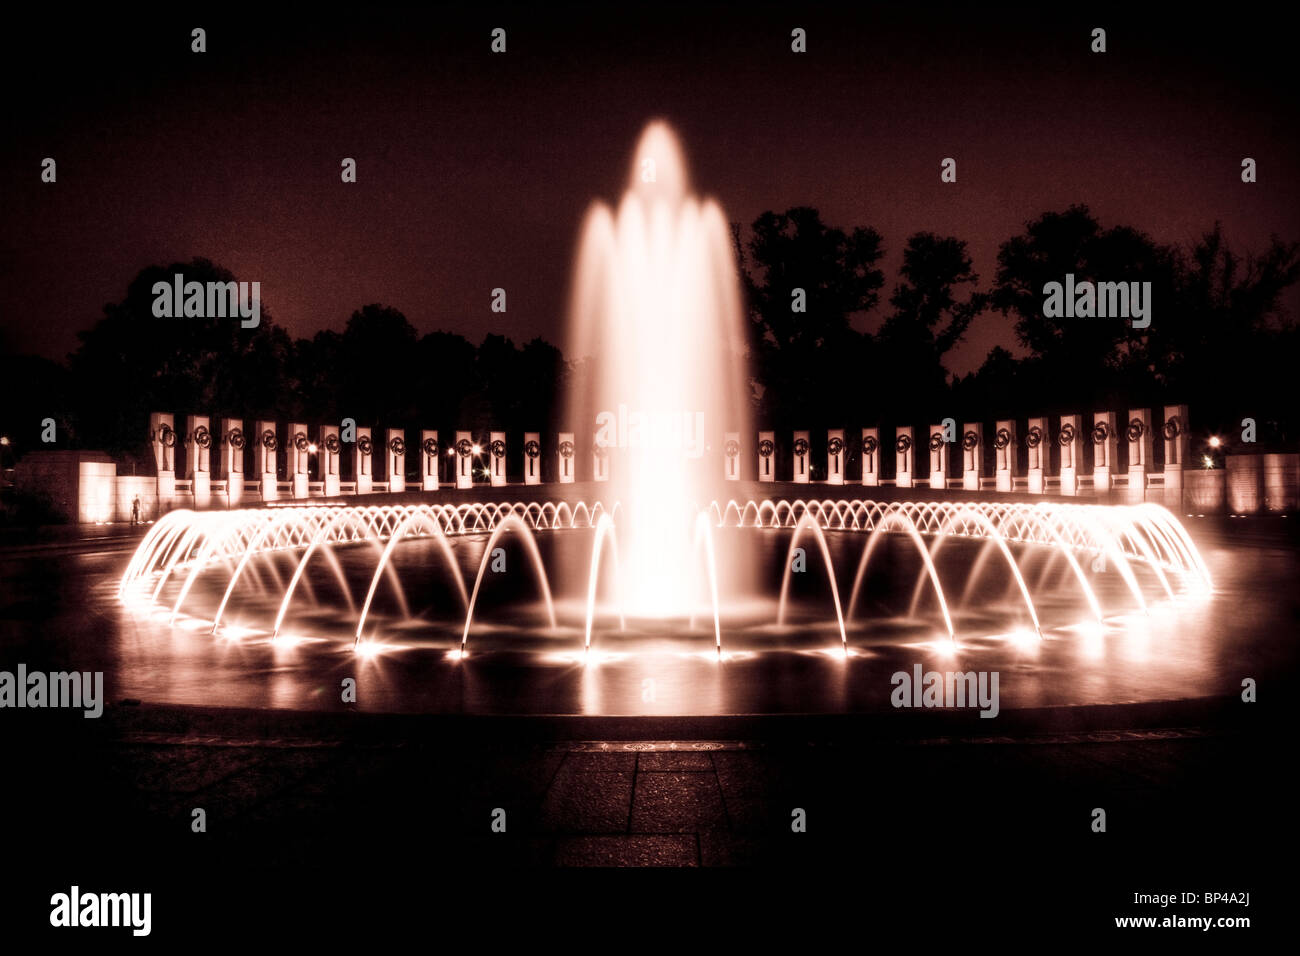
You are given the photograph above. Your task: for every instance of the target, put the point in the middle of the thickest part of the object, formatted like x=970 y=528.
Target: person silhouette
x=135 y=510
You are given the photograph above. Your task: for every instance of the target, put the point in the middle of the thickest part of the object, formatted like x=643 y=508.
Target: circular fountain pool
x=499 y=607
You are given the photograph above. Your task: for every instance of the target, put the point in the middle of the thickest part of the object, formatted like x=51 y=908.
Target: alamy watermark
x=75 y=908
x=1102 y=300
x=60 y=689
x=935 y=689
x=208 y=300
x=656 y=431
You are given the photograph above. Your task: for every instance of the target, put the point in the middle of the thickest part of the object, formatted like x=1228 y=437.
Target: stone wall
x=78 y=484
x=1204 y=491
x=84 y=486
x=1265 y=482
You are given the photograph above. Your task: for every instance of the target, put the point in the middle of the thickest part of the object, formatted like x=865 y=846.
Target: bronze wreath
x=269 y=441
x=397 y=445
x=235 y=438
x=936 y=440
x=167 y=435
x=332 y=443
x=1100 y=433
x=970 y=440
x=1066 y=435
x=1034 y=437
x=365 y=445
x=801 y=446
x=498 y=449
x=464 y=448
x=532 y=449
x=566 y=449
x=869 y=444
x=903 y=444
x=1002 y=439
x=430 y=446
x=732 y=448
x=766 y=448
x=1173 y=428
x=835 y=446
x=1135 y=430
x=203 y=437
x=300 y=441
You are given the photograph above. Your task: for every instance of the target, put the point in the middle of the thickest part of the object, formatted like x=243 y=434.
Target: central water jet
x=656 y=318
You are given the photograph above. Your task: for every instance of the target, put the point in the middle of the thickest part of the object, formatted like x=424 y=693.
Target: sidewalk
x=656 y=803
x=290 y=789
x=71 y=538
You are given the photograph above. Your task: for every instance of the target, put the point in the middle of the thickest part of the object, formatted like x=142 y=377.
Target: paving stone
x=588 y=803
x=664 y=760
x=594 y=761
x=217 y=764
x=750 y=807
x=749 y=764
x=682 y=802
x=755 y=793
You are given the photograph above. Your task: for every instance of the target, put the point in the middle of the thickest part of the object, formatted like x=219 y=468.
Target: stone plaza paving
x=690 y=803
x=288 y=786
x=325 y=823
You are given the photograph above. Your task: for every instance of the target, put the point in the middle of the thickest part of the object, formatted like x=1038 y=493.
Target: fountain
x=1135 y=539
x=666 y=549
x=657 y=310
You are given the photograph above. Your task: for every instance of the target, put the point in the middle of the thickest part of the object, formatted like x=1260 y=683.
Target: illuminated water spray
x=183 y=546
x=656 y=324
x=657 y=312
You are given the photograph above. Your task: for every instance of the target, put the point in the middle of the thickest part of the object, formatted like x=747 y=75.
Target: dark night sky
x=475 y=169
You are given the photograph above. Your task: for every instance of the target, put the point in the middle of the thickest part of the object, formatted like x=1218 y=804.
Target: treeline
x=1218 y=340
x=377 y=370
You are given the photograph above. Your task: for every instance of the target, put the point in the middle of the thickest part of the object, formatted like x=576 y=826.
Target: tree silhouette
x=927 y=322
x=314 y=368
x=132 y=362
x=378 y=380
x=1225 y=343
x=807 y=361
x=448 y=381
x=1080 y=354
